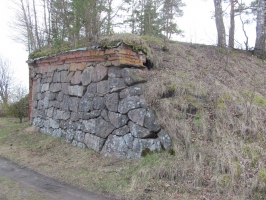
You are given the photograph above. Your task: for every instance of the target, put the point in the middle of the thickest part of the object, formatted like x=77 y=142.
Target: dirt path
x=51 y=188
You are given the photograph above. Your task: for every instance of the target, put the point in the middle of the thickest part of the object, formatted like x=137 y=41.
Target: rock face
x=96 y=104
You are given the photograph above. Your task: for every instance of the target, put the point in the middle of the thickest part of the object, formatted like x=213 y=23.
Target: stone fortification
x=94 y=98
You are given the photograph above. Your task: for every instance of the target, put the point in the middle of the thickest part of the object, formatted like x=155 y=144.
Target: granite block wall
x=95 y=100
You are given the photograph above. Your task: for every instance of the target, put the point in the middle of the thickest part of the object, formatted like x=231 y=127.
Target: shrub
x=19 y=109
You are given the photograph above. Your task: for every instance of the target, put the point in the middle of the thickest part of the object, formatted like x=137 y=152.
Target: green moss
x=191 y=86
x=197 y=117
x=182 y=74
x=171 y=87
x=225 y=181
x=233 y=54
x=171 y=152
x=47 y=50
x=258 y=98
x=136 y=42
x=252 y=154
x=246 y=93
x=262 y=175
x=192 y=100
x=220 y=103
x=261 y=101
x=224 y=97
x=145 y=152
x=59 y=47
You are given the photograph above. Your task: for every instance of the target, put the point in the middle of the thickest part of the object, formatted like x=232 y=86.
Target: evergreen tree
x=170 y=10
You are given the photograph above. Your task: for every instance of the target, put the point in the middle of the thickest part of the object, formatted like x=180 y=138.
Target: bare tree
x=260 y=44
x=25 y=25
x=5 y=80
x=219 y=23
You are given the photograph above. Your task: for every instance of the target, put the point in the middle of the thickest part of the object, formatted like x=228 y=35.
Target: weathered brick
x=70 y=61
x=92 y=59
x=110 y=51
x=77 y=66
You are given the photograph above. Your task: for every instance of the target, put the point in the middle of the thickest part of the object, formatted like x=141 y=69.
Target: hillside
x=213 y=103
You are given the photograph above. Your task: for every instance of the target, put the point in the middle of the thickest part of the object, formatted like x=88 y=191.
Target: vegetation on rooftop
x=56 y=49
x=138 y=43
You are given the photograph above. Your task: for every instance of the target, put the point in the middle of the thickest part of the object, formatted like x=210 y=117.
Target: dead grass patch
x=211 y=119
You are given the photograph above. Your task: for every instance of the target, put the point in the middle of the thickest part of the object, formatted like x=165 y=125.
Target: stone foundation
x=94 y=98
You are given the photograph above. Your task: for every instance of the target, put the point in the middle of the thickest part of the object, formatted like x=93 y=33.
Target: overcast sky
x=197 y=23
x=9 y=48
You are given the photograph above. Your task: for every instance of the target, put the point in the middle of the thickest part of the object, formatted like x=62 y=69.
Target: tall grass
x=217 y=125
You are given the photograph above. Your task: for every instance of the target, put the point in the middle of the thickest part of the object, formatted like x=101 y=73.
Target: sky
x=197 y=23
x=9 y=49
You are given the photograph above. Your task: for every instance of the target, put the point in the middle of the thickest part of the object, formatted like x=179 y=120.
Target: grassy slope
x=212 y=103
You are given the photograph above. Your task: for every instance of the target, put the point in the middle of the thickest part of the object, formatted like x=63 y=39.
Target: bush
x=19 y=109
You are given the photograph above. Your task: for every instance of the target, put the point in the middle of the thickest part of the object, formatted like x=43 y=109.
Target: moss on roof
x=48 y=50
x=136 y=42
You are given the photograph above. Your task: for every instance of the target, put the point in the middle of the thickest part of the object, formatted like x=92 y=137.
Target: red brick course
x=123 y=54
x=30 y=92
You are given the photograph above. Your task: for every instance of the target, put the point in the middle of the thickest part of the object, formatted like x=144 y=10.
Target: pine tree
x=170 y=10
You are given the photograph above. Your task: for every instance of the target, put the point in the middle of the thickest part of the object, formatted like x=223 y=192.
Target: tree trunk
x=219 y=23
x=109 y=22
x=31 y=44
x=45 y=23
x=133 y=18
x=232 y=25
x=53 y=20
x=245 y=33
x=261 y=30
x=38 y=45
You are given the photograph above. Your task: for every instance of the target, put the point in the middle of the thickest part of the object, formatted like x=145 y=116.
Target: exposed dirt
x=51 y=188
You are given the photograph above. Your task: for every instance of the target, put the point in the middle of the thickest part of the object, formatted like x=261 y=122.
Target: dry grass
x=130 y=179
x=213 y=104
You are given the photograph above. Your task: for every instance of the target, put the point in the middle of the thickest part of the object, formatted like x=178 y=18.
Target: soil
x=50 y=187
